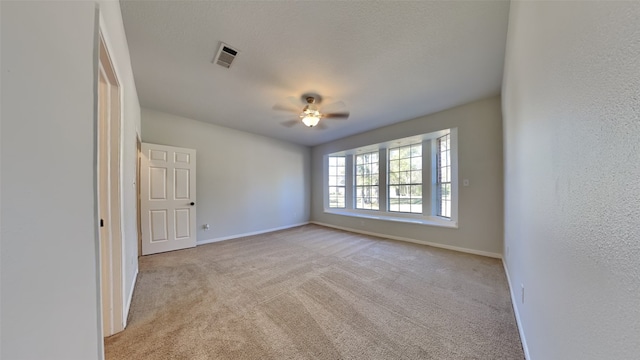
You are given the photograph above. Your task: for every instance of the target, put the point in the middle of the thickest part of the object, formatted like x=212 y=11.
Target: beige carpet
x=317 y=293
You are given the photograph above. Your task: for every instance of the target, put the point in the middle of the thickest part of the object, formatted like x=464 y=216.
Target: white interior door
x=168 y=195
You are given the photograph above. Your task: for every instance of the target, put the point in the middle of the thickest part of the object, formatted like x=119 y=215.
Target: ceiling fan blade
x=290 y=123
x=294 y=101
x=342 y=115
x=333 y=107
x=283 y=107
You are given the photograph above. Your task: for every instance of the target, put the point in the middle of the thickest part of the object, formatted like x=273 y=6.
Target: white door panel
x=168 y=195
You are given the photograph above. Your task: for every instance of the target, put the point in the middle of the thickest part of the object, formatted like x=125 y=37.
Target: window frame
x=327 y=174
x=438 y=178
x=428 y=216
x=371 y=186
x=410 y=183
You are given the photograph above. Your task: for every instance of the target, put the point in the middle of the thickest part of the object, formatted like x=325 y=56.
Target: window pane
x=416 y=208
x=405 y=164
x=366 y=180
x=336 y=181
x=393 y=179
x=394 y=166
x=416 y=150
x=405 y=179
x=394 y=154
x=416 y=177
x=446 y=191
x=416 y=163
x=443 y=176
x=405 y=205
x=444 y=158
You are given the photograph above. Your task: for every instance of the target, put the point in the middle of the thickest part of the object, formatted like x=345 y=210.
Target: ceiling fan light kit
x=310 y=115
x=310 y=120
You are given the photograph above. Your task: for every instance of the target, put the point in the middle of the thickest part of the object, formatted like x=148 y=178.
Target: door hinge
x=101 y=223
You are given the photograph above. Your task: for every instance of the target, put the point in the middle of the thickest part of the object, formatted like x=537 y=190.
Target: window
x=405 y=179
x=367 y=179
x=337 y=194
x=412 y=179
x=443 y=177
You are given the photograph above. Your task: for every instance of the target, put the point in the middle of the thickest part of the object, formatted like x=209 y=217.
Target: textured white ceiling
x=386 y=61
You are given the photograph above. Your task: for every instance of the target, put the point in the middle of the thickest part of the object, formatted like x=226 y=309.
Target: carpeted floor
x=317 y=293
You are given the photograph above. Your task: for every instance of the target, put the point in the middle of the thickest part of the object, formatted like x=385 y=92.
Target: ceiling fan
x=311 y=113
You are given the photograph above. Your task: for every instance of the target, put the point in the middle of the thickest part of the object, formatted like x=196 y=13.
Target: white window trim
x=325 y=172
x=429 y=203
x=454 y=175
x=396 y=217
x=355 y=182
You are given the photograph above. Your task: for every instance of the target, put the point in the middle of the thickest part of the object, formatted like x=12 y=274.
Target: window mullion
x=349 y=182
x=428 y=179
x=453 y=153
x=382 y=180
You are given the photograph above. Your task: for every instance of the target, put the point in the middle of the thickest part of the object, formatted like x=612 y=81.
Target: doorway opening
x=109 y=194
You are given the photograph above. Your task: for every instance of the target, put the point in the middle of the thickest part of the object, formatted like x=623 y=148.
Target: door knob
x=192 y=203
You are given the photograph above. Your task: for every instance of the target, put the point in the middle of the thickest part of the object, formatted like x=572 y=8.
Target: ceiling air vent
x=225 y=55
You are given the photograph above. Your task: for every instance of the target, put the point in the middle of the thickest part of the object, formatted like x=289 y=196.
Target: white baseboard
x=514 y=304
x=209 y=241
x=421 y=242
x=127 y=305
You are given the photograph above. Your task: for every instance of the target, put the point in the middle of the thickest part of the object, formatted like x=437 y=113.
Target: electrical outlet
x=205 y=227
x=522 y=292
x=465 y=182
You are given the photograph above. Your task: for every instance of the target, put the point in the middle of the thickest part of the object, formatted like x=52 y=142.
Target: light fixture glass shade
x=310 y=120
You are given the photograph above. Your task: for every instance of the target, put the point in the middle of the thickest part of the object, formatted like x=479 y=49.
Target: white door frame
x=109 y=193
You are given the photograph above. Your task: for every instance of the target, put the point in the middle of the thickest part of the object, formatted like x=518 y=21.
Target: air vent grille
x=225 y=56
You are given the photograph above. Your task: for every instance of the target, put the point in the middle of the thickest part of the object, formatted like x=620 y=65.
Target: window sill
x=422 y=220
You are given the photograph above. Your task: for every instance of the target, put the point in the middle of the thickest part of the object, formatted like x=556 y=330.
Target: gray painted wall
x=49 y=235
x=245 y=183
x=572 y=169
x=479 y=160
